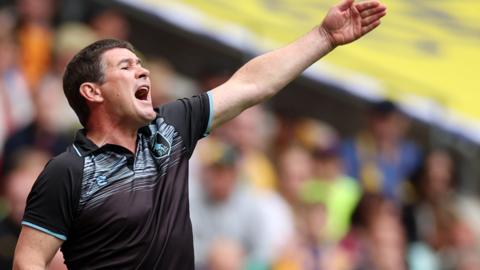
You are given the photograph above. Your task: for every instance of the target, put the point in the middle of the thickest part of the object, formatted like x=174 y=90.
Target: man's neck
x=113 y=134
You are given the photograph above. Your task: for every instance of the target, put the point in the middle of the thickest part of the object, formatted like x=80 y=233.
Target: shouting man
x=118 y=197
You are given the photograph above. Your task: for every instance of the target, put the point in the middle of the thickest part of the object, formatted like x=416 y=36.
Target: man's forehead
x=116 y=55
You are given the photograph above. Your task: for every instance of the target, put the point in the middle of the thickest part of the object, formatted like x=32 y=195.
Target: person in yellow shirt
x=339 y=192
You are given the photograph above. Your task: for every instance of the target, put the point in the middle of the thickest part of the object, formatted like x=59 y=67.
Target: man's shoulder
x=67 y=162
x=63 y=172
x=182 y=104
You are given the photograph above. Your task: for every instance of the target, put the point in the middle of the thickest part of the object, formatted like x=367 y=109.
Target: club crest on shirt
x=161 y=148
x=162 y=138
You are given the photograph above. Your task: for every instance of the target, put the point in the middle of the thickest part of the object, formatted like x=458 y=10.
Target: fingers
x=370 y=13
x=370 y=27
x=373 y=10
x=366 y=5
x=345 y=4
x=373 y=18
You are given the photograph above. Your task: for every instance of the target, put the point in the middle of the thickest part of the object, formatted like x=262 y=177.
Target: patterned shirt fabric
x=118 y=210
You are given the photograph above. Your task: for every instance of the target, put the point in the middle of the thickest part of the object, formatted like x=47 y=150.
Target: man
x=381 y=157
x=216 y=198
x=118 y=197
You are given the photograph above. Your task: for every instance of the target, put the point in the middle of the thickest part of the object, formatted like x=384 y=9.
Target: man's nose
x=143 y=73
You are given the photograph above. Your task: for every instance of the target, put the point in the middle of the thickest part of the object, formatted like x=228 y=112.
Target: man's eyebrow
x=129 y=61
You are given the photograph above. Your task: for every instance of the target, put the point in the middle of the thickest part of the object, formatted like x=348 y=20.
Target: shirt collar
x=84 y=146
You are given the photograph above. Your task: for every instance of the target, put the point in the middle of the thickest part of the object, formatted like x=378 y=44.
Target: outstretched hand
x=349 y=21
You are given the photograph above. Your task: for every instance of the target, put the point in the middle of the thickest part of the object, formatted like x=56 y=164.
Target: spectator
x=109 y=23
x=329 y=184
x=294 y=168
x=438 y=221
x=15 y=102
x=36 y=38
x=42 y=133
x=380 y=156
x=167 y=84
x=376 y=240
x=250 y=135
x=308 y=250
x=255 y=168
x=435 y=199
x=225 y=254
x=69 y=39
x=450 y=246
x=464 y=246
x=224 y=207
x=27 y=165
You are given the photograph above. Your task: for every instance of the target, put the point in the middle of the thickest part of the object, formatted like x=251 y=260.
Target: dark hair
x=384 y=108
x=86 y=66
x=419 y=176
x=366 y=208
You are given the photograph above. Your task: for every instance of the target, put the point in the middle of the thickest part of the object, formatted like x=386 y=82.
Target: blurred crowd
x=266 y=191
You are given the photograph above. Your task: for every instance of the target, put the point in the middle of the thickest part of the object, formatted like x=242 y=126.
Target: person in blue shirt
x=380 y=156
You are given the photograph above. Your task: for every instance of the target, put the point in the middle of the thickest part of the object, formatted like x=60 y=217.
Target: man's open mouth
x=142 y=92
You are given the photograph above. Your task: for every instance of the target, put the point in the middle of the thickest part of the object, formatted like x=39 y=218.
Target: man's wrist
x=325 y=35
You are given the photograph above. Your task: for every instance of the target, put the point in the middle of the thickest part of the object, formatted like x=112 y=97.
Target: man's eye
x=125 y=68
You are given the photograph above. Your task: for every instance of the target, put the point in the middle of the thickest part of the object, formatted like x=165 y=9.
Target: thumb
x=345 y=4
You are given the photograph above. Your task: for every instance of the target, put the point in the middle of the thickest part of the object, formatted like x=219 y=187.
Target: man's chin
x=143 y=116
x=148 y=117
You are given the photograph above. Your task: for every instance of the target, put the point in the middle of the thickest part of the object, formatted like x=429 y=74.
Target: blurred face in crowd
x=163 y=80
x=20 y=183
x=389 y=127
x=462 y=236
x=439 y=173
x=111 y=24
x=225 y=254
x=389 y=240
x=47 y=108
x=126 y=88
x=20 y=180
x=295 y=166
x=387 y=236
x=219 y=181
x=7 y=53
x=35 y=10
x=245 y=131
x=327 y=167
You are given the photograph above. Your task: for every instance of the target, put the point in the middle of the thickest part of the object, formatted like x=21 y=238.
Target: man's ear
x=91 y=92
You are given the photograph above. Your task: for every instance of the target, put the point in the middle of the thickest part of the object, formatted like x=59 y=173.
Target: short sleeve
x=192 y=117
x=52 y=202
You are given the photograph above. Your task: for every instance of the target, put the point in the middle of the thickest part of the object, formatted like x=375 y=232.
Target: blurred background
x=368 y=161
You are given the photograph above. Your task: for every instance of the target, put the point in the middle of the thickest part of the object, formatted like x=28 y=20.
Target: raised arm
x=34 y=250
x=265 y=75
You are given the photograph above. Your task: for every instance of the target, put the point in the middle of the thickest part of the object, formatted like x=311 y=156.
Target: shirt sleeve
x=192 y=117
x=53 y=199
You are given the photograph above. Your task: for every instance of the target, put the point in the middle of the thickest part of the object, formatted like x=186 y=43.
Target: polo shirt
x=118 y=210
